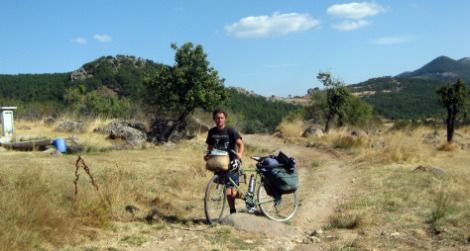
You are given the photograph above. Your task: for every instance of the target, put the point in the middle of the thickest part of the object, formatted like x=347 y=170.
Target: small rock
x=359 y=134
x=311 y=239
x=316 y=232
x=331 y=237
x=395 y=234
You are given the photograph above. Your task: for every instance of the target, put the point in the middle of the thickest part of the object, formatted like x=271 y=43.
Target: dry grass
x=410 y=210
x=39 y=207
x=30 y=130
x=291 y=129
x=448 y=147
x=389 y=147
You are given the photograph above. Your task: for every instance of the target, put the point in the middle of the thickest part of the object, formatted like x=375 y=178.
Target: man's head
x=219 y=117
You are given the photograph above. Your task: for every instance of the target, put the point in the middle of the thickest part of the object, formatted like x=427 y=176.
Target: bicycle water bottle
x=251 y=185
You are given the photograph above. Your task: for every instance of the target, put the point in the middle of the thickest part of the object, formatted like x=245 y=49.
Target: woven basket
x=217 y=163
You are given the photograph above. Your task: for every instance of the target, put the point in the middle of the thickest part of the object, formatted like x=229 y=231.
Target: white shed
x=7 y=122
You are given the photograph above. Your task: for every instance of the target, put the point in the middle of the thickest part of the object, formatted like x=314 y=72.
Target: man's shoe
x=232 y=211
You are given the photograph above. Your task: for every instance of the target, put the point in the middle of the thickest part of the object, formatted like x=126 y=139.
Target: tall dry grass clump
x=403 y=147
x=291 y=128
x=398 y=146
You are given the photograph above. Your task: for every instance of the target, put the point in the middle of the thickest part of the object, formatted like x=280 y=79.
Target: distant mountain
x=442 y=68
x=412 y=94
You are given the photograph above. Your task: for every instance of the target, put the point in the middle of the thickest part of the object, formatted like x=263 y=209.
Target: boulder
x=117 y=125
x=259 y=224
x=132 y=132
x=313 y=130
x=359 y=134
x=433 y=138
x=49 y=120
x=71 y=126
x=190 y=129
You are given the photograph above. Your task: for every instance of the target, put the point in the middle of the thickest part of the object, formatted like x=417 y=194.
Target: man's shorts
x=232 y=175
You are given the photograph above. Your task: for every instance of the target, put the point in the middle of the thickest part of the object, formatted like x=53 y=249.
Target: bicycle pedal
x=251 y=210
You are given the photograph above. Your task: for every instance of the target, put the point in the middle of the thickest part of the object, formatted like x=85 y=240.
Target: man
x=226 y=138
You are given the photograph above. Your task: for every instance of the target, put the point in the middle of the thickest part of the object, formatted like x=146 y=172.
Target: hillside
x=412 y=94
x=401 y=98
x=119 y=82
x=442 y=68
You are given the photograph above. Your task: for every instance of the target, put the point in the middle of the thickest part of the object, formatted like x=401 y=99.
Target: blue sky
x=270 y=47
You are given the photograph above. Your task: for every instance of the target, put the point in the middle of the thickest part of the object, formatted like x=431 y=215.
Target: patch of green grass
x=134 y=240
x=345 y=220
x=225 y=238
x=350 y=245
x=315 y=164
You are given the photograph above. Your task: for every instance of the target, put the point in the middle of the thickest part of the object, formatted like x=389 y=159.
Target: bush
x=101 y=102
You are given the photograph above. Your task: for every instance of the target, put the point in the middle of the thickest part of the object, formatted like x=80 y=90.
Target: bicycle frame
x=258 y=177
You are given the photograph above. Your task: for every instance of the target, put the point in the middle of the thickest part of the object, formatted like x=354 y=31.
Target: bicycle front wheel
x=215 y=199
x=282 y=209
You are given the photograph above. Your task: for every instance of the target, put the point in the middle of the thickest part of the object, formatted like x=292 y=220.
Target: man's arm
x=206 y=156
x=240 y=147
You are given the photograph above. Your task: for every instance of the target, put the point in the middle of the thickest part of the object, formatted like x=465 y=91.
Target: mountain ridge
x=442 y=68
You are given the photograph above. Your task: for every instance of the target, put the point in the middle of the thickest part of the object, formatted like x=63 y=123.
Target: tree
x=355 y=112
x=336 y=96
x=189 y=84
x=453 y=98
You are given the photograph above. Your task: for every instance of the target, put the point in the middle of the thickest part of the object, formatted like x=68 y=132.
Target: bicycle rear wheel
x=215 y=199
x=282 y=209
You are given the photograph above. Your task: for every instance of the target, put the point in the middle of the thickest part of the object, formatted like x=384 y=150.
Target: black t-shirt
x=223 y=139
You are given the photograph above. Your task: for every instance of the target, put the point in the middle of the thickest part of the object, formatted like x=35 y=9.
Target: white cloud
x=274 y=25
x=348 y=25
x=393 y=40
x=79 y=40
x=354 y=10
x=103 y=38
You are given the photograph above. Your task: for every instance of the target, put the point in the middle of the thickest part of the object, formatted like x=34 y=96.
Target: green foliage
x=117 y=86
x=318 y=108
x=256 y=114
x=191 y=83
x=453 y=98
x=122 y=74
x=355 y=112
x=336 y=96
x=401 y=98
x=101 y=102
x=337 y=102
x=33 y=87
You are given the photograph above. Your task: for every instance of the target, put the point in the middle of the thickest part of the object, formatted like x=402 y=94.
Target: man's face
x=219 y=120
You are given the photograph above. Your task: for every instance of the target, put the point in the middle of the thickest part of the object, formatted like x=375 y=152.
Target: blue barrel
x=60 y=145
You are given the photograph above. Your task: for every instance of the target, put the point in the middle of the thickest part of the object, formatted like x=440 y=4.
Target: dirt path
x=325 y=181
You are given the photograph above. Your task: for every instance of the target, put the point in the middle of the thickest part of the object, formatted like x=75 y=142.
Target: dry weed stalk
x=81 y=163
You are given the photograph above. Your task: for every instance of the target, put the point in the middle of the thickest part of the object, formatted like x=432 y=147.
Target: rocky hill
x=442 y=68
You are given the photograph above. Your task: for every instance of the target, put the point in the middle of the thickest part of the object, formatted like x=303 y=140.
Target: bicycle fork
x=250 y=197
